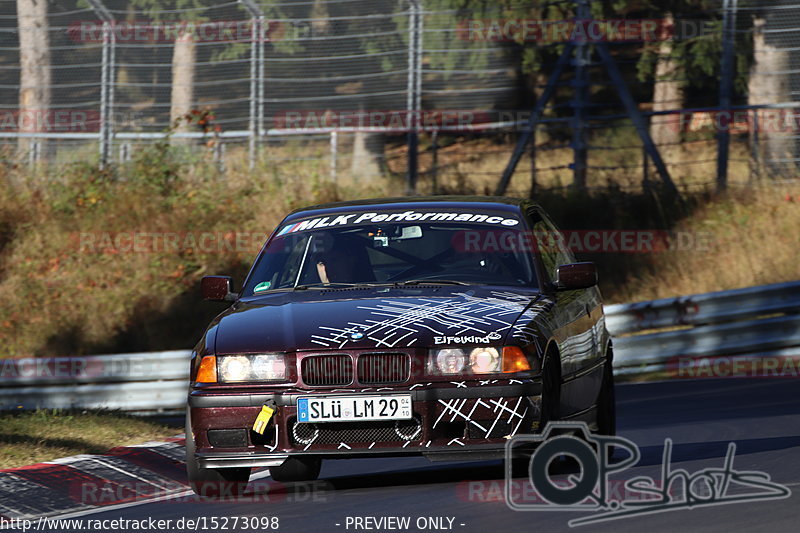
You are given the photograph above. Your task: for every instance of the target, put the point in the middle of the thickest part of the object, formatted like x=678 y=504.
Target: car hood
x=371 y=318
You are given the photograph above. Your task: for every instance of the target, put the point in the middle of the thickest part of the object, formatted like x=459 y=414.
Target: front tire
x=212 y=483
x=297 y=469
x=606 y=402
x=551 y=389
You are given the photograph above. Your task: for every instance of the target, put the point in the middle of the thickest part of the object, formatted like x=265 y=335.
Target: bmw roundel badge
x=357 y=335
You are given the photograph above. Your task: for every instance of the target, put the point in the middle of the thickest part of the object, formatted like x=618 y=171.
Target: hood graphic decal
x=500 y=407
x=399 y=322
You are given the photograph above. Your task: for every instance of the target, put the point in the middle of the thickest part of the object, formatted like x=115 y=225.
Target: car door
x=576 y=316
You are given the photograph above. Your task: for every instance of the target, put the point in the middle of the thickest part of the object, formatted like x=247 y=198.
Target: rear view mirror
x=217 y=288
x=410 y=232
x=576 y=276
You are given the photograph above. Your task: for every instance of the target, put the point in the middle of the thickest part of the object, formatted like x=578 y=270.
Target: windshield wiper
x=432 y=282
x=325 y=286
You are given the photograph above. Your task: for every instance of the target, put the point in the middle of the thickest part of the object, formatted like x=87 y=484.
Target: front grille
x=333 y=433
x=383 y=368
x=327 y=370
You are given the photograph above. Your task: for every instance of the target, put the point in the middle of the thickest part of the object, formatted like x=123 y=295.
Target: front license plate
x=354 y=408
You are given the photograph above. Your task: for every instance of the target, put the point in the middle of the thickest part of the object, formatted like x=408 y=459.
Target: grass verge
x=29 y=437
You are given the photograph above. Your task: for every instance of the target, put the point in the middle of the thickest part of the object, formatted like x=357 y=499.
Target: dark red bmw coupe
x=431 y=326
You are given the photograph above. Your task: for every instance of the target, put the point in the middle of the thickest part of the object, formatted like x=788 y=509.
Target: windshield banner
x=353 y=219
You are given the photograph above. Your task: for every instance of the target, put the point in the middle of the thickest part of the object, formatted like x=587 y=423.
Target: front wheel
x=212 y=483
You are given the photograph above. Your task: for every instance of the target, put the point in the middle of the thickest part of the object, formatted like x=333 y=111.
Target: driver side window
x=550 y=245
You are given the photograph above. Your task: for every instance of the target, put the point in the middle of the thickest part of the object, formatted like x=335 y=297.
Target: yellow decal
x=262 y=419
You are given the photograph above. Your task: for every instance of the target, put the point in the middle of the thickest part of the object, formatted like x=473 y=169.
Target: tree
x=768 y=84
x=184 y=59
x=183 y=13
x=691 y=62
x=35 y=74
x=668 y=92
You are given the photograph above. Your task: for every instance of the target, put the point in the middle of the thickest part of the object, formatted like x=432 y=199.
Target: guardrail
x=760 y=321
x=140 y=382
x=752 y=323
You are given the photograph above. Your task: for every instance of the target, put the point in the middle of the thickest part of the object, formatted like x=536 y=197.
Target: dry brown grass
x=65 y=295
x=61 y=299
x=36 y=436
x=475 y=166
x=754 y=240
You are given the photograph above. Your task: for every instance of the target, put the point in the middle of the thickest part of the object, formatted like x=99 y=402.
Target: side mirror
x=576 y=276
x=217 y=288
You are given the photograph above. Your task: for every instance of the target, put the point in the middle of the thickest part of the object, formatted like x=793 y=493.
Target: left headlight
x=251 y=367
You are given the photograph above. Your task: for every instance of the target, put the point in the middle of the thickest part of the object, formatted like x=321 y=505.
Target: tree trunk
x=368 y=159
x=768 y=85
x=184 y=57
x=35 y=76
x=668 y=93
x=320 y=23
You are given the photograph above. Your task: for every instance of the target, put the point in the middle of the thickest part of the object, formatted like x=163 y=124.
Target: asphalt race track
x=701 y=417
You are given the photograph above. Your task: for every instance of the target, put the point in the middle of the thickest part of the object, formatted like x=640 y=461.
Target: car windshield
x=455 y=248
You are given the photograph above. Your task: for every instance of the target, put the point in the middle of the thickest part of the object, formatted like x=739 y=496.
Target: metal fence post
x=256 y=79
x=412 y=98
x=35 y=152
x=107 y=62
x=755 y=149
x=334 y=154
x=581 y=82
x=262 y=37
x=253 y=124
x=124 y=152
x=435 y=162
x=725 y=90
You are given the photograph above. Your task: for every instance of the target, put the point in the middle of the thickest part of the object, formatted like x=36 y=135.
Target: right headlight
x=251 y=367
x=477 y=361
x=485 y=360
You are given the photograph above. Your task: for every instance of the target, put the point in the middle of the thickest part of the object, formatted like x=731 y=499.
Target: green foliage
x=82 y=188
x=157 y=166
x=172 y=10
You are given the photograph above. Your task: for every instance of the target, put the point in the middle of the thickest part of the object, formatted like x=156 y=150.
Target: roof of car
x=409 y=202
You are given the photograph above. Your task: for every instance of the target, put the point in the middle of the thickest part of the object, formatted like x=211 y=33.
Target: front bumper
x=452 y=420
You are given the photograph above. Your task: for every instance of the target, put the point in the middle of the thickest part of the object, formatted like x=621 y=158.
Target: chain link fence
x=352 y=86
